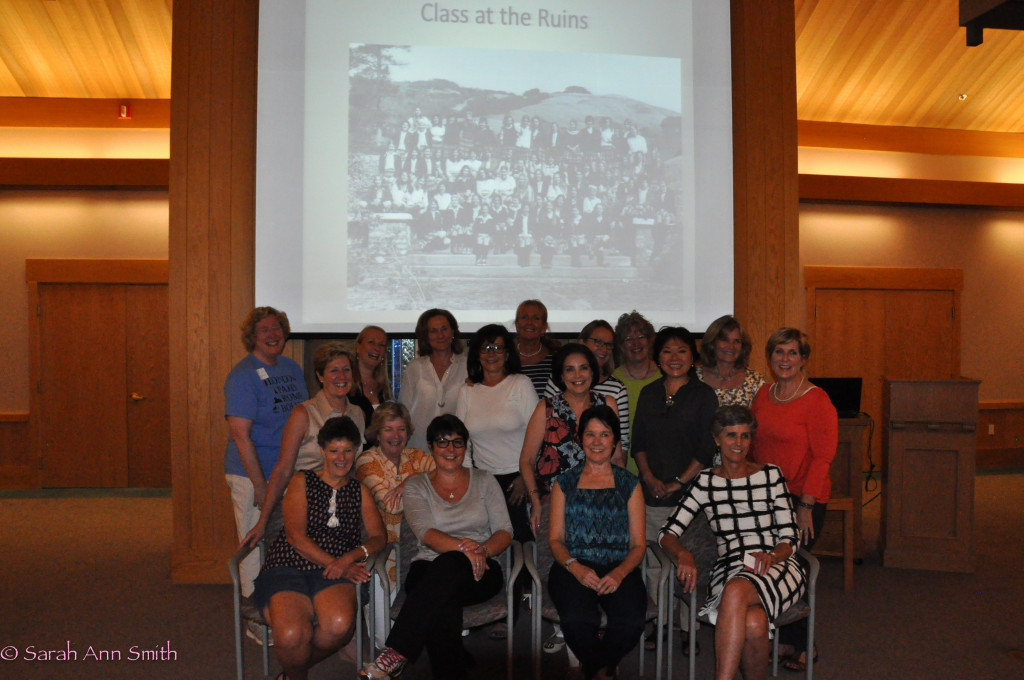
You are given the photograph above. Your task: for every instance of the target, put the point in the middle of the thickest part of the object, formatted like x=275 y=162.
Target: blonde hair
x=380 y=374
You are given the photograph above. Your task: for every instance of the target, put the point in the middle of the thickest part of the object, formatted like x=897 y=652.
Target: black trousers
x=436 y=592
x=519 y=514
x=579 y=611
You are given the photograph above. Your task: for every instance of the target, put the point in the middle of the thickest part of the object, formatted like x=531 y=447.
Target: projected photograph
x=473 y=170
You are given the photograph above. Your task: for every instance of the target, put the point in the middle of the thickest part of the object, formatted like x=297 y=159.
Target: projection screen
x=468 y=156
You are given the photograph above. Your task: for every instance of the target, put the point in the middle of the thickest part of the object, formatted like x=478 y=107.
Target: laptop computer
x=844 y=393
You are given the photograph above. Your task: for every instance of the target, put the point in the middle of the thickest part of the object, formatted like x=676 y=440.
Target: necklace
x=524 y=355
x=445 y=492
x=724 y=378
x=796 y=393
x=647 y=370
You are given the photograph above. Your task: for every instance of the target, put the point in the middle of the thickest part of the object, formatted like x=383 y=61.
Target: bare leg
x=291 y=617
x=297 y=643
x=336 y=618
x=739 y=625
x=754 y=662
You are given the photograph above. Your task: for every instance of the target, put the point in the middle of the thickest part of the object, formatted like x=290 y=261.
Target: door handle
x=137 y=397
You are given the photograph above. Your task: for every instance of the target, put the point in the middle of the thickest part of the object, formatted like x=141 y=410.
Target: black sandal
x=793 y=663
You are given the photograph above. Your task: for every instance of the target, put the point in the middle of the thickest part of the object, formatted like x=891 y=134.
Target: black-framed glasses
x=492 y=349
x=443 y=443
x=601 y=344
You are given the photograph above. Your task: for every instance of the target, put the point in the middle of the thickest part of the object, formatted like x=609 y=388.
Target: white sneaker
x=555 y=643
x=254 y=631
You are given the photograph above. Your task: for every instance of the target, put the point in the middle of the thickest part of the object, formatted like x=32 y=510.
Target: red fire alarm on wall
x=124 y=112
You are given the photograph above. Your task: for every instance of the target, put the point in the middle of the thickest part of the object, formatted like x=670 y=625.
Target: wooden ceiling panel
x=108 y=49
x=901 y=63
x=905 y=63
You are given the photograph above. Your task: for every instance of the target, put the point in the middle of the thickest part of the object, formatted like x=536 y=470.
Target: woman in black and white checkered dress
x=750 y=513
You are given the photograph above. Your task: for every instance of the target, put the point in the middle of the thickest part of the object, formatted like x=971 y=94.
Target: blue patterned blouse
x=597 y=520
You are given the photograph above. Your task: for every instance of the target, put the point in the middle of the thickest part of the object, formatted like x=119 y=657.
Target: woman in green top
x=633 y=337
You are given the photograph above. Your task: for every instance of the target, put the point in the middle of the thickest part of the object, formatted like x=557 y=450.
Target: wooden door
x=147 y=370
x=82 y=387
x=881 y=323
x=102 y=391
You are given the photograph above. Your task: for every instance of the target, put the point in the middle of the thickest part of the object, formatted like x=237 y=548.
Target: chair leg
x=266 y=651
x=848 y=550
x=692 y=633
x=775 y=653
x=240 y=673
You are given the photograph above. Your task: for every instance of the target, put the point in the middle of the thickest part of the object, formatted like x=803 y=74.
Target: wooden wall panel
x=212 y=188
x=94 y=173
x=1000 y=436
x=83 y=113
x=212 y=183
x=17 y=471
x=767 y=281
x=910 y=139
x=921 y=191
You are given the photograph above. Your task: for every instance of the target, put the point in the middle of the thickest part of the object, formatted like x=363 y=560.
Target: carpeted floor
x=90 y=572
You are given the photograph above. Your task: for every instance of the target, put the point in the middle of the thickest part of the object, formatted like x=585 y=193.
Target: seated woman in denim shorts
x=314 y=565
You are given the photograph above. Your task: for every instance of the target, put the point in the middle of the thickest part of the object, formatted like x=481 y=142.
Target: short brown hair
x=784 y=335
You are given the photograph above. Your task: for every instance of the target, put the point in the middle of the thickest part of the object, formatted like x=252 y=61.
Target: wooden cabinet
x=928 y=498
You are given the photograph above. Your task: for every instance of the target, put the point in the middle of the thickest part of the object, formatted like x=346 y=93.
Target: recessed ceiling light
x=963 y=97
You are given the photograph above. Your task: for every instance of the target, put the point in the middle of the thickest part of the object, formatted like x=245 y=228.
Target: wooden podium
x=928 y=494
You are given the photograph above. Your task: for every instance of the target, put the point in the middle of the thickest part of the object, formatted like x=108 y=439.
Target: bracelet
x=534 y=492
x=568 y=562
x=803 y=504
x=487 y=553
x=366 y=553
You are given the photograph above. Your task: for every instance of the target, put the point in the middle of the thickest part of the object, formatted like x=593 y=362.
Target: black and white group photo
x=456 y=188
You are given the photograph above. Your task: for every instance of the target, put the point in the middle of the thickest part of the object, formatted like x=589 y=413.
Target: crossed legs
x=299 y=644
x=741 y=633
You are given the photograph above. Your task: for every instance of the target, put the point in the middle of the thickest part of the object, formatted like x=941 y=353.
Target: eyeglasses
x=443 y=443
x=492 y=349
x=601 y=344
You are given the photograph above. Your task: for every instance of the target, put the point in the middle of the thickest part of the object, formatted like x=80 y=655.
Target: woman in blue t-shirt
x=259 y=395
x=597 y=540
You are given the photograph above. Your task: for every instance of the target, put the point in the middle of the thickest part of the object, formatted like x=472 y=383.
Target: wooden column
x=212 y=208
x=213 y=117
x=766 y=199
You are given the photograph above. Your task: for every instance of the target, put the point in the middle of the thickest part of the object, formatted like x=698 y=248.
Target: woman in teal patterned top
x=597 y=539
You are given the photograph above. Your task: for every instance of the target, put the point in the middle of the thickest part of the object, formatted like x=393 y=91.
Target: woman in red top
x=798 y=430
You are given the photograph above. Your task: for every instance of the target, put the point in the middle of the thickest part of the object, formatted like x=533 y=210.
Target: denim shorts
x=280 y=579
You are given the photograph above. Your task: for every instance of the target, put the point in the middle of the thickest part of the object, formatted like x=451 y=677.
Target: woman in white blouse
x=496 y=406
x=431 y=381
